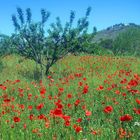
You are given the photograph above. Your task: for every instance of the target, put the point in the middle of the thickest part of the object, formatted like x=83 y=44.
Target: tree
x=127 y=42
x=6 y=45
x=106 y=43
x=30 y=36
x=46 y=48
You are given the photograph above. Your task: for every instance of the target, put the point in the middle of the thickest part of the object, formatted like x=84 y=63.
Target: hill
x=113 y=31
x=120 y=39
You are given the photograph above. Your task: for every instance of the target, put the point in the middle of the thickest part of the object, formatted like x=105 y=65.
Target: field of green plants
x=83 y=98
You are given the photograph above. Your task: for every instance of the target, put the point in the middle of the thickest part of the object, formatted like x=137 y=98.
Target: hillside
x=113 y=31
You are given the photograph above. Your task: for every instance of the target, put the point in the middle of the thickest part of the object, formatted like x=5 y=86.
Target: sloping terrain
x=113 y=31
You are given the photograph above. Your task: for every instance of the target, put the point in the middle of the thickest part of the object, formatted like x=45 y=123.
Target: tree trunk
x=36 y=72
x=47 y=69
x=41 y=71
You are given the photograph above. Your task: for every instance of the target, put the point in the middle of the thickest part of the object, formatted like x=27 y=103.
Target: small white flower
x=137 y=124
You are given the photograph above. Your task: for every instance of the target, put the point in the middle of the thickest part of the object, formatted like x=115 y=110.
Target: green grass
x=73 y=78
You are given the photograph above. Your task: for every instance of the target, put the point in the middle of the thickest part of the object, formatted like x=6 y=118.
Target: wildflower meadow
x=84 y=98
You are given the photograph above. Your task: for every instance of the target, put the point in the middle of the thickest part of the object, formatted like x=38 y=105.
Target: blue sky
x=104 y=12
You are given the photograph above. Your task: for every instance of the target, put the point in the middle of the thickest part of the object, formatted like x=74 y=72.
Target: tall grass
x=84 y=97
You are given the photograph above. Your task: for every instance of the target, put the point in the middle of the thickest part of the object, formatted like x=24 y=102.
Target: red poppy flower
x=114 y=86
x=67 y=123
x=20 y=90
x=85 y=89
x=40 y=106
x=20 y=95
x=88 y=113
x=69 y=105
x=31 y=117
x=24 y=126
x=84 y=78
x=123 y=94
x=137 y=111
x=41 y=116
x=21 y=106
x=66 y=118
x=77 y=128
x=122 y=132
x=126 y=117
x=16 y=119
x=69 y=95
x=78 y=74
x=47 y=124
x=79 y=120
x=108 y=109
x=136 y=76
x=17 y=81
x=42 y=90
x=123 y=81
x=138 y=101
x=35 y=130
x=7 y=100
x=80 y=83
x=100 y=87
x=30 y=107
x=84 y=107
x=57 y=112
x=29 y=95
x=117 y=92
x=2 y=87
x=59 y=105
x=77 y=102
x=94 y=132
x=49 y=77
x=133 y=83
x=61 y=90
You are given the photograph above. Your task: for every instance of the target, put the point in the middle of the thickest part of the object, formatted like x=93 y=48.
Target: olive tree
x=47 y=46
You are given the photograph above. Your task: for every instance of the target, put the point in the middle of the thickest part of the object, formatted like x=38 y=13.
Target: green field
x=83 y=98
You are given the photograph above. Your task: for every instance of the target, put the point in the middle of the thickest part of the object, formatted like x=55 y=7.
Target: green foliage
x=69 y=39
x=29 y=37
x=127 y=43
x=98 y=49
x=106 y=43
x=1 y=65
x=6 y=45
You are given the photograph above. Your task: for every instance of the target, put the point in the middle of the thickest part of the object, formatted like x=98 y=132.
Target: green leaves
x=72 y=16
x=6 y=45
x=15 y=23
x=20 y=15
x=28 y=15
x=127 y=43
x=88 y=11
x=45 y=15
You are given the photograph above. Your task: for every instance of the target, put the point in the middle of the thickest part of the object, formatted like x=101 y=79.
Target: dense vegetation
x=128 y=43
x=85 y=97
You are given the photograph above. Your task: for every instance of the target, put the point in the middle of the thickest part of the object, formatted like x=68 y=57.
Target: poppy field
x=83 y=98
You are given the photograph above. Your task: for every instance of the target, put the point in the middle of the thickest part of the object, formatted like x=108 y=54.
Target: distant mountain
x=113 y=31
